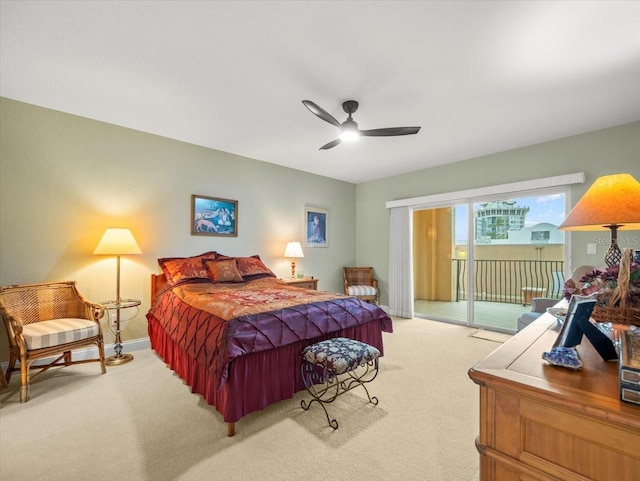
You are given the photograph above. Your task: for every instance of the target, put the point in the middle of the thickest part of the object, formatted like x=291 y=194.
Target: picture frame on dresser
x=214 y=216
x=316 y=222
x=577 y=324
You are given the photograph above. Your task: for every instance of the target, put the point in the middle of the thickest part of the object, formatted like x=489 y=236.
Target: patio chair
x=539 y=305
x=46 y=322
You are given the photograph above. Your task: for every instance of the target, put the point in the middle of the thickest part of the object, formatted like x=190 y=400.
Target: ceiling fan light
x=348 y=135
x=349 y=130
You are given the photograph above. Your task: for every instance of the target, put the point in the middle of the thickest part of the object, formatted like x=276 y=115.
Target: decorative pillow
x=222 y=270
x=253 y=268
x=177 y=269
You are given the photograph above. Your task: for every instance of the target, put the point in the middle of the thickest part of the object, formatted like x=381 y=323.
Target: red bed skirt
x=255 y=380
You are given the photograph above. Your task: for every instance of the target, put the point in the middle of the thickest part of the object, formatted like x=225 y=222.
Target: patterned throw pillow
x=178 y=269
x=253 y=268
x=222 y=270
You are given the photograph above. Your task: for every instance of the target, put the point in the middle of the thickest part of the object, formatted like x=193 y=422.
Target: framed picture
x=214 y=216
x=316 y=221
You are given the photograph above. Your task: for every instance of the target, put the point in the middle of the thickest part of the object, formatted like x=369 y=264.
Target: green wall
x=613 y=150
x=64 y=179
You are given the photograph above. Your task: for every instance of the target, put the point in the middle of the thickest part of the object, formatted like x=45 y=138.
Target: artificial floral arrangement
x=617 y=291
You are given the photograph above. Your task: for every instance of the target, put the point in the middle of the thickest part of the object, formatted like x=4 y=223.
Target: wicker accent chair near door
x=361 y=283
x=46 y=321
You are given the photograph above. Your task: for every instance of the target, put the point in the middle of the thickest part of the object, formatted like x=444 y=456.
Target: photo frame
x=316 y=222
x=577 y=324
x=571 y=332
x=214 y=216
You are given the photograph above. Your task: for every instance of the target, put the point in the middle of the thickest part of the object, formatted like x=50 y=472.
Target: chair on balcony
x=46 y=322
x=539 y=305
x=360 y=282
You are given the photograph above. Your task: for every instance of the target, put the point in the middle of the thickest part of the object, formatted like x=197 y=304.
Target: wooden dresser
x=539 y=422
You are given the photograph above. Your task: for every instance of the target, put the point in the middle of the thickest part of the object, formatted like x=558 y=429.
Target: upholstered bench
x=335 y=366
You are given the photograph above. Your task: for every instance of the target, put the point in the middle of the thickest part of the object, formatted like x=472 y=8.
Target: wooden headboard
x=158 y=282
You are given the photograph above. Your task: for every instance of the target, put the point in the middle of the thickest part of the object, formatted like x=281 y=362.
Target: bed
x=234 y=332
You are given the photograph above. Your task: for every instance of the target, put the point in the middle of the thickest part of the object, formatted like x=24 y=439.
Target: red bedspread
x=266 y=314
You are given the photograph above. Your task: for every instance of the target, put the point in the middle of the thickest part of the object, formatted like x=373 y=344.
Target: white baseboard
x=127 y=346
x=92 y=352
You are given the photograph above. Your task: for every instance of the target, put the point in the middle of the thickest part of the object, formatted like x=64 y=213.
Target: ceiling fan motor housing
x=349 y=124
x=350 y=106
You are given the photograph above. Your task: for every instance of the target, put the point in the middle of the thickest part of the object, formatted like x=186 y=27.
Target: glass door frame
x=494 y=196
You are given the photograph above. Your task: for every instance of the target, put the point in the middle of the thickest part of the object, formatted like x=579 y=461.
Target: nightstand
x=306 y=282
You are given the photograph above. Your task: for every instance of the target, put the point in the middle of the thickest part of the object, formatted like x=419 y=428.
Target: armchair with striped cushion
x=46 y=322
x=360 y=282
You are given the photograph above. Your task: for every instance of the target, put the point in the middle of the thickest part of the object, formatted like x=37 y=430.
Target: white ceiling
x=479 y=77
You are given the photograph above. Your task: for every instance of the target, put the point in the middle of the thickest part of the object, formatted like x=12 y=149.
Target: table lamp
x=293 y=250
x=612 y=202
x=117 y=241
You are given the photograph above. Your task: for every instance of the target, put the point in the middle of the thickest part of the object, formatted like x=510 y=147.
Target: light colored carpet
x=491 y=335
x=140 y=422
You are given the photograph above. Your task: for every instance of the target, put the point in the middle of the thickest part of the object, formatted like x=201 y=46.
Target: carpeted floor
x=491 y=335
x=140 y=422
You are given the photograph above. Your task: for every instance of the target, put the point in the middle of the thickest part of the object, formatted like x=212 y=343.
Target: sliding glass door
x=481 y=262
x=439 y=263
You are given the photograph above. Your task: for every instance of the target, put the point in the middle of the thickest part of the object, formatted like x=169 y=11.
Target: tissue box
x=630 y=366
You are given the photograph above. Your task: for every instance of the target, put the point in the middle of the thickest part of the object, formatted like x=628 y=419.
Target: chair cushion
x=527 y=318
x=339 y=354
x=540 y=304
x=361 y=290
x=38 y=335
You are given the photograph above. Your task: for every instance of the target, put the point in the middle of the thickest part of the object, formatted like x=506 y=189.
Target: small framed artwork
x=214 y=216
x=316 y=221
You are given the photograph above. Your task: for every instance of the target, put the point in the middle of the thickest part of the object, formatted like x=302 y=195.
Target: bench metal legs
x=325 y=386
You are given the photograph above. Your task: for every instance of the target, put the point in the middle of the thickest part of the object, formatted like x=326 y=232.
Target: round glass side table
x=117 y=306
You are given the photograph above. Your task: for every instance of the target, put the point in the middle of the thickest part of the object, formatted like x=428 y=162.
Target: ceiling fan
x=349 y=128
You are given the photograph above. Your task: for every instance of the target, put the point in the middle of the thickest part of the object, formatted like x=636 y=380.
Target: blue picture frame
x=213 y=216
x=316 y=225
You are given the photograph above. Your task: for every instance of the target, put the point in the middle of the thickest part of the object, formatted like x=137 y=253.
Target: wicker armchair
x=360 y=282
x=48 y=320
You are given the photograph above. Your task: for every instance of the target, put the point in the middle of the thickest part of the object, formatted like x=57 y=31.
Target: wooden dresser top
x=518 y=366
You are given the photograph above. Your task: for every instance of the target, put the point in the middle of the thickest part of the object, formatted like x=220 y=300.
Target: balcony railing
x=507 y=281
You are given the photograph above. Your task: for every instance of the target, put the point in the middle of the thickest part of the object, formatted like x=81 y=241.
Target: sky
x=545 y=208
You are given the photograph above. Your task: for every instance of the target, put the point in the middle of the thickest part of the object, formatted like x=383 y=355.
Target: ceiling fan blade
x=331 y=144
x=320 y=112
x=390 y=131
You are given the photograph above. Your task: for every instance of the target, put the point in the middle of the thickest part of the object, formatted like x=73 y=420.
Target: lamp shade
x=612 y=200
x=117 y=241
x=294 y=249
